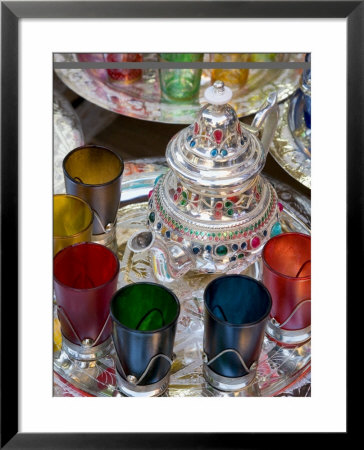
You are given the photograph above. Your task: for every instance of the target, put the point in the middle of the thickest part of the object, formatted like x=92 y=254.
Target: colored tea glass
x=94 y=174
x=180 y=85
x=287 y=276
x=85 y=279
x=237 y=309
x=231 y=77
x=72 y=221
x=123 y=76
x=144 y=319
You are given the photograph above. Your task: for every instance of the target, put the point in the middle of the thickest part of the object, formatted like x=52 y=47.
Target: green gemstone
x=241 y=255
x=230 y=212
x=228 y=204
x=182 y=202
x=152 y=217
x=186 y=229
x=236 y=232
x=219 y=234
x=221 y=250
x=225 y=234
x=213 y=234
x=184 y=195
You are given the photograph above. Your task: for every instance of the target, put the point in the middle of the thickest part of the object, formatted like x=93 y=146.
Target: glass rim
x=93 y=288
x=145 y=283
x=85 y=228
x=82 y=147
x=276 y=272
x=239 y=325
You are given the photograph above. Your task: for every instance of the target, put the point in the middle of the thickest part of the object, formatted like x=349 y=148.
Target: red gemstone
x=255 y=242
x=280 y=206
x=216 y=238
x=218 y=214
x=150 y=193
x=238 y=127
x=175 y=197
x=218 y=136
x=180 y=239
x=179 y=189
x=196 y=128
x=218 y=205
x=233 y=199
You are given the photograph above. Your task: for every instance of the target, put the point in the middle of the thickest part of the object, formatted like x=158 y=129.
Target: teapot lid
x=217 y=151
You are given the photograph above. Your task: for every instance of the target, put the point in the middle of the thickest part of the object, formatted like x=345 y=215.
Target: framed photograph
x=47 y=47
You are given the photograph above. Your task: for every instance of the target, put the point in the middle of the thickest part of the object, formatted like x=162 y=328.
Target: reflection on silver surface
x=142 y=99
x=291 y=146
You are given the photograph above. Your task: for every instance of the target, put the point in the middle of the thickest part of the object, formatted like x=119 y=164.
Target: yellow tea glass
x=231 y=77
x=72 y=221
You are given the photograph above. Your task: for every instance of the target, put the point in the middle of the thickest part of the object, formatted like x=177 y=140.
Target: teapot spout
x=267 y=119
x=169 y=260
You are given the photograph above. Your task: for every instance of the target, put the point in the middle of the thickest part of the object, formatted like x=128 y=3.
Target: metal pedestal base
x=150 y=390
x=86 y=353
x=227 y=384
x=287 y=337
x=107 y=239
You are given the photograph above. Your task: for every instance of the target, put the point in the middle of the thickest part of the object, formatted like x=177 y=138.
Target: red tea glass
x=287 y=275
x=85 y=279
x=123 y=76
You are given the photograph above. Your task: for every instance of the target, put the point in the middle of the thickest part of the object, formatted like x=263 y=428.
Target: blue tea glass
x=237 y=309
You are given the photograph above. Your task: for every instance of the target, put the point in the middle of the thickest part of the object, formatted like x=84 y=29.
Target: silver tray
x=291 y=146
x=142 y=99
x=67 y=135
x=281 y=371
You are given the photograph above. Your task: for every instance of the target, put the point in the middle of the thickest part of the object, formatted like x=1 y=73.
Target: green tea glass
x=144 y=319
x=180 y=85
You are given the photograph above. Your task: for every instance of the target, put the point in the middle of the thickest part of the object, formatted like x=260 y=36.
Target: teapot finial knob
x=218 y=93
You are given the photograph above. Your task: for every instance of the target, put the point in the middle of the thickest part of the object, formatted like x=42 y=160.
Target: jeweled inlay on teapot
x=213 y=211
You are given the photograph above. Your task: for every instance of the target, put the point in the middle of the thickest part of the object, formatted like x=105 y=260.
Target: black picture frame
x=11 y=12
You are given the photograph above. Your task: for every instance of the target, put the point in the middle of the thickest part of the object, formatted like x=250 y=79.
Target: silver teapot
x=213 y=211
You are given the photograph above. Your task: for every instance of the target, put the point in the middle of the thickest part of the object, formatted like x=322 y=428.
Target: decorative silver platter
x=281 y=371
x=142 y=99
x=67 y=135
x=291 y=146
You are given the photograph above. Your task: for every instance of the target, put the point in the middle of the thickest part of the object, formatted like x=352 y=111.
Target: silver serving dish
x=213 y=211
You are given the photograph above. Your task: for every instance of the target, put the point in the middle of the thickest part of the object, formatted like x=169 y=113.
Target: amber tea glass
x=94 y=173
x=72 y=221
x=231 y=77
